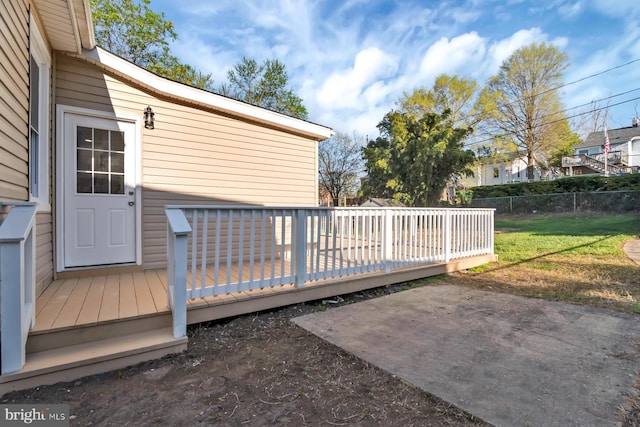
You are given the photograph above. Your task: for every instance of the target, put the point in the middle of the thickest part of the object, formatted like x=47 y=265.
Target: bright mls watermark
x=40 y=415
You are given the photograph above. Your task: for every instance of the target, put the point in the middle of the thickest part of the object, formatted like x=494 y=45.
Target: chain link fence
x=598 y=201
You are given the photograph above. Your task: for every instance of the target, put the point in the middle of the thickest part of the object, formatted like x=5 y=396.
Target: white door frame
x=60 y=231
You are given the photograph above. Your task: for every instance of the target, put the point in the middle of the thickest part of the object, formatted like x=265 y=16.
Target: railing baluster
x=252 y=248
x=241 y=252
x=229 y=247
x=205 y=240
x=216 y=278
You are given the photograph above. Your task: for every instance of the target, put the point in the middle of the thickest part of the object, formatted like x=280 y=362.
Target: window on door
x=39 y=71
x=99 y=161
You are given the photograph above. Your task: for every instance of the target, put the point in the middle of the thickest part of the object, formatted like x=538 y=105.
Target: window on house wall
x=496 y=173
x=39 y=71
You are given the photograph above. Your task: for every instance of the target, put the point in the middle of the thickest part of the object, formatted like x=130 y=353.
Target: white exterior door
x=99 y=218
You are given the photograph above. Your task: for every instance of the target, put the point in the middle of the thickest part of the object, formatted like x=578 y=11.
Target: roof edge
x=191 y=94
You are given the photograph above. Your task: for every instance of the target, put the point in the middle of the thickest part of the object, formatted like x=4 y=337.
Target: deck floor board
x=73 y=305
x=91 y=307
x=144 y=299
x=109 y=309
x=50 y=311
x=128 y=306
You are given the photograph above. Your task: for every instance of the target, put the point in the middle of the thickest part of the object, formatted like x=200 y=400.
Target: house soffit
x=67 y=24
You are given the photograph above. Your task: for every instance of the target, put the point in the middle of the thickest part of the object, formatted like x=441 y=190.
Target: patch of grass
x=573 y=259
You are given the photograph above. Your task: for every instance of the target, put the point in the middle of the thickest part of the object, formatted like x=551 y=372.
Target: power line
x=474 y=116
x=549 y=123
x=592 y=75
x=573 y=108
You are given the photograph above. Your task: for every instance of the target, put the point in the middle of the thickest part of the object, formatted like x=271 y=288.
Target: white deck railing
x=17 y=283
x=215 y=250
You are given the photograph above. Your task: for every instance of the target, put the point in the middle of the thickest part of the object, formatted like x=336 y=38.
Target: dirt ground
x=259 y=369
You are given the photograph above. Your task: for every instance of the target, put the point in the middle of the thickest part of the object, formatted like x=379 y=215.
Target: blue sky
x=351 y=60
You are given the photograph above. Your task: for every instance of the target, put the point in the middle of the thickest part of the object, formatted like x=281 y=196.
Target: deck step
x=51 y=339
x=77 y=361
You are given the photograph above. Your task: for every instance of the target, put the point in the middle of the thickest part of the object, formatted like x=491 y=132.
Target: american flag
x=607 y=145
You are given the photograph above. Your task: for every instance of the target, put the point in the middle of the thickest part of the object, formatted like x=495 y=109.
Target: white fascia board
x=192 y=94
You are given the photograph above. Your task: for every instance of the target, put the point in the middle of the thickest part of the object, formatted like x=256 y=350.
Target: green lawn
x=578 y=260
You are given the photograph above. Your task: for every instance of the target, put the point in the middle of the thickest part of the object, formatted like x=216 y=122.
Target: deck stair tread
x=72 y=362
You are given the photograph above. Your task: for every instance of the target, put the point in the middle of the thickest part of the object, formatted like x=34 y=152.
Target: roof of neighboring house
x=185 y=93
x=67 y=24
x=616 y=136
x=383 y=203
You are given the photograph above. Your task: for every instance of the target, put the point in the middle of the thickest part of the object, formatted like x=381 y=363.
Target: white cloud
x=343 y=89
x=351 y=60
x=448 y=56
x=619 y=8
x=570 y=10
x=501 y=50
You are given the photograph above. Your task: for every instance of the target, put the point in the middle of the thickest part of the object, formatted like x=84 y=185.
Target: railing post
x=299 y=251
x=387 y=239
x=17 y=284
x=492 y=231
x=447 y=235
x=178 y=230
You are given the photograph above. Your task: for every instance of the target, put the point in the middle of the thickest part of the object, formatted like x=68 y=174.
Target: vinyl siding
x=14 y=100
x=14 y=122
x=194 y=156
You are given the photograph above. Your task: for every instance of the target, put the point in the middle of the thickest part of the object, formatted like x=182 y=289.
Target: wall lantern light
x=148 y=118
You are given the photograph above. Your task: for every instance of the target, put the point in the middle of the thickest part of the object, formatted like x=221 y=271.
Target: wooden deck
x=103 y=298
x=95 y=323
x=107 y=298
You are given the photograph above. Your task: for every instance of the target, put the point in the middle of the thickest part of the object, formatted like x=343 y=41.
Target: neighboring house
x=502 y=169
x=623 y=157
x=74 y=140
x=382 y=203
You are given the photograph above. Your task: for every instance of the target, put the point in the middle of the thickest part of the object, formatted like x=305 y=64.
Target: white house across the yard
x=623 y=156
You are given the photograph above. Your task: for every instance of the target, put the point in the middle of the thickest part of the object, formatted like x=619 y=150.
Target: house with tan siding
x=102 y=177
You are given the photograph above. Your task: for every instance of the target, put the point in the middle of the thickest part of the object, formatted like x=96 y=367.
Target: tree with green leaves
x=415 y=157
x=528 y=110
x=340 y=164
x=131 y=30
x=468 y=105
x=264 y=85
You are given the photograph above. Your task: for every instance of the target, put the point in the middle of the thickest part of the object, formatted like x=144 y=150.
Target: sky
x=350 y=61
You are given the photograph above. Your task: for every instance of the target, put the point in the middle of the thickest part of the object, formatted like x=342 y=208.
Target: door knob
x=131 y=203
